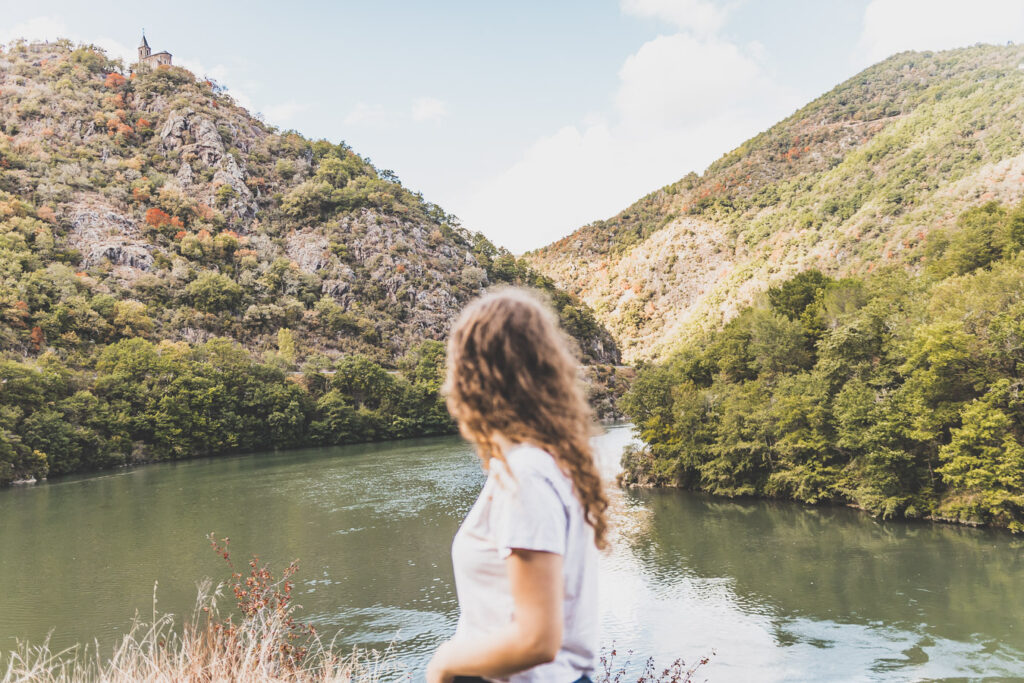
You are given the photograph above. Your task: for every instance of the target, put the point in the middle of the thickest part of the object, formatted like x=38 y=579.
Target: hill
x=855 y=180
x=169 y=265
x=158 y=191
x=895 y=392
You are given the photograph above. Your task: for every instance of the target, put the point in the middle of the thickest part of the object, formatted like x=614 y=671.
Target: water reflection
x=778 y=591
x=785 y=592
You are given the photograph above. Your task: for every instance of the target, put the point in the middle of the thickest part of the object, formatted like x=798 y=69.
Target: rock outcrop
x=101 y=234
x=195 y=139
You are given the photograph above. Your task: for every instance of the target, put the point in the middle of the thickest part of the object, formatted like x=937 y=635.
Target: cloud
x=50 y=28
x=679 y=79
x=429 y=109
x=682 y=100
x=38 y=28
x=422 y=109
x=366 y=114
x=584 y=172
x=698 y=16
x=892 y=26
x=378 y=116
x=284 y=112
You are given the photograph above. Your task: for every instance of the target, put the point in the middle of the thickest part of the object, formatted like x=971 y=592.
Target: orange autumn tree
x=157 y=218
x=38 y=338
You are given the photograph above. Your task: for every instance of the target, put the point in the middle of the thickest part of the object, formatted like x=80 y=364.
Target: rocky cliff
x=151 y=204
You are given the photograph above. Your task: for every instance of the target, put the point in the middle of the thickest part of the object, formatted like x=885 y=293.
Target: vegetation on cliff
x=169 y=266
x=900 y=394
x=856 y=180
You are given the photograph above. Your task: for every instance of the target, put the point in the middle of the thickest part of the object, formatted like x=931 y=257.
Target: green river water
x=777 y=591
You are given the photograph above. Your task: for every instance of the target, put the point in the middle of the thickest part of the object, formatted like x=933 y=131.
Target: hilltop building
x=148 y=58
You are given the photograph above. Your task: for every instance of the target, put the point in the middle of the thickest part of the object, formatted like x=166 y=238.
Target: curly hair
x=512 y=374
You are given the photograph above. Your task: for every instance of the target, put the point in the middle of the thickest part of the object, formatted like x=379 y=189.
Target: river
x=776 y=591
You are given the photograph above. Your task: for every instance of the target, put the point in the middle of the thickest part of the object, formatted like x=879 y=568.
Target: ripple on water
x=778 y=592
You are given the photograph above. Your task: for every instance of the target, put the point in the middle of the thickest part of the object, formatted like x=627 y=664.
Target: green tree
x=792 y=297
x=983 y=463
x=213 y=292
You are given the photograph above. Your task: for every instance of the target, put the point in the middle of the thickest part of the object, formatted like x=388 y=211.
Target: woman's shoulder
x=527 y=458
x=527 y=461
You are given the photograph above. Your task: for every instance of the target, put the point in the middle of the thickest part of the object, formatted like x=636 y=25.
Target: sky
x=525 y=119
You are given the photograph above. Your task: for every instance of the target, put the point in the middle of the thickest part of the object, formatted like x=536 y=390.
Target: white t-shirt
x=530 y=508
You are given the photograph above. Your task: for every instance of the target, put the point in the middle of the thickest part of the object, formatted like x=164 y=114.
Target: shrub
x=157 y=217
x=224 y=194
x=212 y=292
x=114 y=80
x=285 y=168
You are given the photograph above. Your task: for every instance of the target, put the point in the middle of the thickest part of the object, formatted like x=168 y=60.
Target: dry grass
x=614 y=670
x=202 y=650
x=267 y=643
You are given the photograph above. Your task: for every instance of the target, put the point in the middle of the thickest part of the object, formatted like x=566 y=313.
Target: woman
x=525 y=557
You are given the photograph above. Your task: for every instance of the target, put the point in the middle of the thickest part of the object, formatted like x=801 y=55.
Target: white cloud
x=530 y=203
x=582 y=173
x=429 y=109
x=682 y=101
x=699 y=16
x=38 y=28
x=378 y=116
x=892 y=26
x=679 y=79
x=282 y=113
x=366 y=114
x=50 y=28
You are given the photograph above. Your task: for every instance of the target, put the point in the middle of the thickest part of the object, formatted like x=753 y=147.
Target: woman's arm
x=534 y=636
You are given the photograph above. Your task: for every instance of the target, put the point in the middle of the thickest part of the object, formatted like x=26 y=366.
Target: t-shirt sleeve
x=531 y=516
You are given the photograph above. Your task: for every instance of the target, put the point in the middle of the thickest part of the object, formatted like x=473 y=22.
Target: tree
x=307 y=200
x=157 y=218
x=336 y=421
x=983 y=463
x=131 y=319
x=213 y=292
x=225 y=194
x=286 y=345
x=792 y=297
x=983 y=235
x=365 y=382
x=114 y=80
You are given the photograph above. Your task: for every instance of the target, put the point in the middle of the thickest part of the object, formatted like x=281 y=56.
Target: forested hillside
x=855 y=181
x=833 y=311
x=169 y=265
x=902 y=394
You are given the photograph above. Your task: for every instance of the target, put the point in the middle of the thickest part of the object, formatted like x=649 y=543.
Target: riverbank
x=639 y=473
x=897 y=392
x=151 y=402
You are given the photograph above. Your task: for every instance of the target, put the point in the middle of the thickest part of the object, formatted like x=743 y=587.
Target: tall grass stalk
x=266 y=644
x=203 y=650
